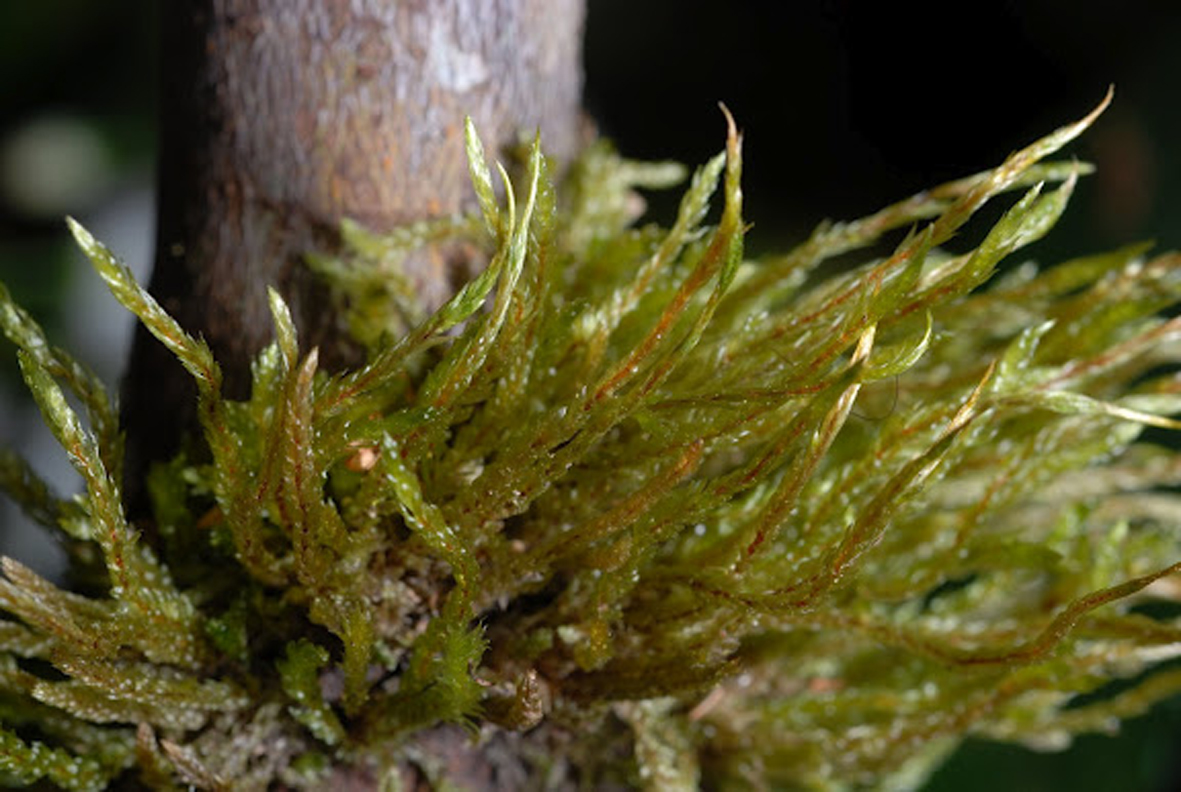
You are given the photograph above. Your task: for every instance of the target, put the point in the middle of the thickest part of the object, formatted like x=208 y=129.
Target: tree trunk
x=281 y=117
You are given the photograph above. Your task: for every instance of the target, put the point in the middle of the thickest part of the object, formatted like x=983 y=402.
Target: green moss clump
x=758 y=523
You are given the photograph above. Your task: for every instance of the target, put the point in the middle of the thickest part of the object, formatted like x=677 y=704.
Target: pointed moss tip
x=84 y=237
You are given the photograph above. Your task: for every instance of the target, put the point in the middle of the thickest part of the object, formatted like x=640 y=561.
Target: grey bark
x=280 y=117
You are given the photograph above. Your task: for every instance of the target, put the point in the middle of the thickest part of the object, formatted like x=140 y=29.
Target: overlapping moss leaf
x=784 y=528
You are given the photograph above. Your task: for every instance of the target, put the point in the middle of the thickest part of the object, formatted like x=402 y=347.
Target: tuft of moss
x=763 y=523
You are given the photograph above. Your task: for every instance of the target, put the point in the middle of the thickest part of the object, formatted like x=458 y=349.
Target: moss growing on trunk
x=762 y=523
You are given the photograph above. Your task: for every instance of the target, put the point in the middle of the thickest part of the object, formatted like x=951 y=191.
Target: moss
x=769 y=523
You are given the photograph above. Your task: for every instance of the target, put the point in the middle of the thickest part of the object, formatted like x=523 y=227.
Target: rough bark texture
x=280 y=117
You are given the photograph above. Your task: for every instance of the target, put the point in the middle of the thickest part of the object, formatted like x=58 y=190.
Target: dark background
x=846 y=106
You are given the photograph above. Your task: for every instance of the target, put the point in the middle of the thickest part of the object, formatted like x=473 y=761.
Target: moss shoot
x=686 y=518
